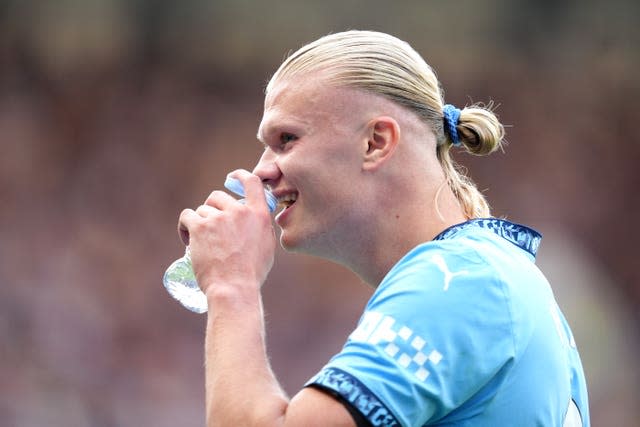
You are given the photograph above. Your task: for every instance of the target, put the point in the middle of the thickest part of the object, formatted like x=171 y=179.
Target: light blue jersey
x=463 y=331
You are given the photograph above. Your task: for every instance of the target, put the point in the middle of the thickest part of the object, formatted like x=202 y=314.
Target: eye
x=287 y=137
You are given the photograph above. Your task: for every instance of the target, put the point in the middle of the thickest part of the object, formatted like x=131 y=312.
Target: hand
x=231 y=243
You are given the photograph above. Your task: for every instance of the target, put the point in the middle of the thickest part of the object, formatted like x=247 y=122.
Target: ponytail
x=477 y=129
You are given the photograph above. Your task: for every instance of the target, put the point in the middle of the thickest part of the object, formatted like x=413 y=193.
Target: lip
x=279 y=194
x=281 y=217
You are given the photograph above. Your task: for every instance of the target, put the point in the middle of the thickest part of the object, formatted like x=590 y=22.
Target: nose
x=267 y=168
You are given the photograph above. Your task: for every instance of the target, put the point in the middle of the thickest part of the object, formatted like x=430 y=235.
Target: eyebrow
x=291 y=124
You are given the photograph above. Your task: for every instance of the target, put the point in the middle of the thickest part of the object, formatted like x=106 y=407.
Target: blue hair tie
x=451 y=117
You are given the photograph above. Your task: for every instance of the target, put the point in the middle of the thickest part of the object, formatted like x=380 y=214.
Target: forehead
x=299 y=103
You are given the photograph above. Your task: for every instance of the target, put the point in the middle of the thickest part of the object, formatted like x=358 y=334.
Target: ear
x=383 y=136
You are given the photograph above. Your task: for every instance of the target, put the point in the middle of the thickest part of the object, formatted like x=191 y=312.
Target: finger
x=186 y=219
x=206 y=210
x=253 y=188
x=220 y=200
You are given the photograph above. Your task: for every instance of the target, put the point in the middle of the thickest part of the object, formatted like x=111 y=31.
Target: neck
x=401 y=227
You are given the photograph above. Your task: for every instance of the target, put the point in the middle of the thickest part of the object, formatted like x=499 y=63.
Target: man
x=462 y=328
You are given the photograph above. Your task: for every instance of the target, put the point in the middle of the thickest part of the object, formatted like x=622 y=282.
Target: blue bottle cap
x=234 y=185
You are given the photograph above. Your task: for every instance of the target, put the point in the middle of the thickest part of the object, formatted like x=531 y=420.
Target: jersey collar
x=522 y=236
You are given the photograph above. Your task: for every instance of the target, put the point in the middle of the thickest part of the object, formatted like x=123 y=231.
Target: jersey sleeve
x=434 y=341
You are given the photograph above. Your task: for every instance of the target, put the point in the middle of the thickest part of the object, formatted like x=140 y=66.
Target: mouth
x=287 y=200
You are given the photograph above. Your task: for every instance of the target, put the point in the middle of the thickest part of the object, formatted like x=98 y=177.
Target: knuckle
x=214 y=195
x=202 y=210
x=184 y=217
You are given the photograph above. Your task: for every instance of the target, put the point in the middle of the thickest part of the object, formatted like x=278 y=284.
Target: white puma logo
x=448 y=275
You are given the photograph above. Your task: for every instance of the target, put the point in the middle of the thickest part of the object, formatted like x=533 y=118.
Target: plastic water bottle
x=180 y=280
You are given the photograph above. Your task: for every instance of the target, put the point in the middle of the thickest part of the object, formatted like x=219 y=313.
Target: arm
x=240 y=386
x=232 y=249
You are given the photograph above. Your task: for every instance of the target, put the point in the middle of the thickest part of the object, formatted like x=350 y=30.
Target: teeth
x=288 y=198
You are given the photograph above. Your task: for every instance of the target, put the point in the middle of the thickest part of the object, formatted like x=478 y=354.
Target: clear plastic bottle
x=179 y=279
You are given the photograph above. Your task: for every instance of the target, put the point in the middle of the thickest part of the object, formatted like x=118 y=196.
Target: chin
x=288 y=243
x=291 y=242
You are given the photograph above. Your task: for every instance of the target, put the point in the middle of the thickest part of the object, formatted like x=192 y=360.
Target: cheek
x=324 y=174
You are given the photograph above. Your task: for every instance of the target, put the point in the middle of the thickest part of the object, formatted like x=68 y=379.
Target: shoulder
x=438 y=324
x=445 y=270
x=446 y=329
x=475 y=259
x=447 y=287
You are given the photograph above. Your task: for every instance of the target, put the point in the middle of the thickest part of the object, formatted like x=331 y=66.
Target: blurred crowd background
x=117 y=114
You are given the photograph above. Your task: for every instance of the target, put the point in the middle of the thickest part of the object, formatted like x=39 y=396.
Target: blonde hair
x=385 y=65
